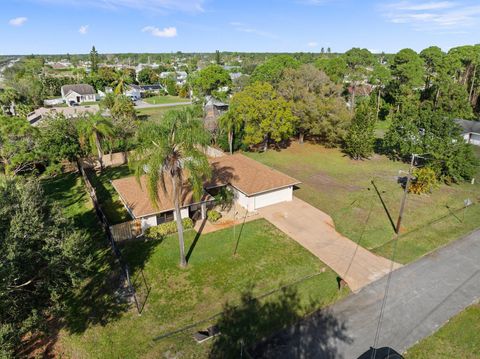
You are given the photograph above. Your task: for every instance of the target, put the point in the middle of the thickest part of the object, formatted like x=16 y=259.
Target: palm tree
x=231 y=124
x=173 y=150
x=93 y=129
x=121 y=83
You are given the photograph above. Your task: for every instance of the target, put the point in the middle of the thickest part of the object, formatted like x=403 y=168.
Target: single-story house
x=254 y=186
x=134 y=92
x=78 y=93
x=470 y=131
x=35 y=117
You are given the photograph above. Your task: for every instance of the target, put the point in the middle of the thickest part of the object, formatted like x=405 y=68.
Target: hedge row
x=164 y=229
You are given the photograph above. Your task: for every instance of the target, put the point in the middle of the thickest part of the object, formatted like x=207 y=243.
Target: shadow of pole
x=384 y=205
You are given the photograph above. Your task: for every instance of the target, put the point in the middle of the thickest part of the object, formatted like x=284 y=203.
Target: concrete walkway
x=423 y=296
x=315 y=231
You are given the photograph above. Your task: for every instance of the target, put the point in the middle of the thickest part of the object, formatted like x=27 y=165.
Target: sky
x=114 y=26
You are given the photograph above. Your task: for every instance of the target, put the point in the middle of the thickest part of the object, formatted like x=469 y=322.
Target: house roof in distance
x=247 y=175
x=81 y=89
x=135 y=196
x=468 y=126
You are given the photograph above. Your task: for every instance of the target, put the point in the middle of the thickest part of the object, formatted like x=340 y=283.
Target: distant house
x=253 y=184
x=35 y=117
x=134 y=92
x=212 y=110
x=470 y=131
x=78 y=93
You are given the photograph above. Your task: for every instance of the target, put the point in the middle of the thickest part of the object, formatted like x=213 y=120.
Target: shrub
x=213 y=216
x=424 y=181
x=164 y=229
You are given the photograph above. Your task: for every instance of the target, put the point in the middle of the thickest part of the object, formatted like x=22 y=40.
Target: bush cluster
x=164 y=229
x=213 y=216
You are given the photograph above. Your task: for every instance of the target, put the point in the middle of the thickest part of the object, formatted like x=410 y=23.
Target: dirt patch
x=325 y=181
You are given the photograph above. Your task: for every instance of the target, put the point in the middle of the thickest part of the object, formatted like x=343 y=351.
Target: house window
x=164 y=217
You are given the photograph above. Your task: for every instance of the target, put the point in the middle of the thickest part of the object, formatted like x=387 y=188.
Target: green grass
x=109 y=200
x=266 y=260
x=342 y=188
x=459 y=338
x=155 y=100
x=155 y=113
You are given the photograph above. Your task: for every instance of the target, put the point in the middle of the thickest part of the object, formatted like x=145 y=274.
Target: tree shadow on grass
x=245 y=329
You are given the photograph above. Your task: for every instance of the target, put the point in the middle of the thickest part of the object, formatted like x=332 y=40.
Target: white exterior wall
x=151 y=221
x=263 y=199
x=72 y=96
x=475 y=139
x=183 y=213
x=148 y=222
x=273 y=197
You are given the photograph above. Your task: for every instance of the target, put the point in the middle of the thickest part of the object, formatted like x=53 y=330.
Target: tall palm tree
x=173 y=150
x=92 y=129
x=231 y=124
x=121 y=83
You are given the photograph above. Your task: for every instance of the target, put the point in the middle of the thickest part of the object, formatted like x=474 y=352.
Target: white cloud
x=18 y=21
x=242 y=27
x=165 y=32
x=83 y=29
x=446 y=16
x=312 y=44
x=161 y=6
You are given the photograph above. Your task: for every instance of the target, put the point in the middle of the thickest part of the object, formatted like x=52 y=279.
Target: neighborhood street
x=422 y=297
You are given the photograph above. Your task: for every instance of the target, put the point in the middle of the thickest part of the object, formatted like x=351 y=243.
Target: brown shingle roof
x=81 y=89
x=137 y=200
x=247 y=175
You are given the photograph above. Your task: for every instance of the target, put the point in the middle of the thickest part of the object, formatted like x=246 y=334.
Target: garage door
x=269 y=198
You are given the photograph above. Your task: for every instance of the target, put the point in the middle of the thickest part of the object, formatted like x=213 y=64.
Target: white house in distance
x=75 y=94
x=253 y=184
x=470 y=131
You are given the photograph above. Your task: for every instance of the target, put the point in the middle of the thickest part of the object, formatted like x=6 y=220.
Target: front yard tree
x=265 y=114
x=316 y=102
x=18 y=145
x=58 y=141
x=209 y=80
x=271 y=70
x=92 y=129
x=42 y=259
x=231 y=124
x=360 y=137
x=173 y=151
x=124 y=119
x=148 y=76
x=358 y=60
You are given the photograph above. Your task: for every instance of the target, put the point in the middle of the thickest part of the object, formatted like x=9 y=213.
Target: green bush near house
x=213 y=216
x=164 y=229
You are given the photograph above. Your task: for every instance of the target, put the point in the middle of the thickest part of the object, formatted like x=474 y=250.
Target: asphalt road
x=423 y=296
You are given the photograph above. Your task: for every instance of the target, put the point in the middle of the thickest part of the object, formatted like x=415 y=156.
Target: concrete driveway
x=422 y=297
x=315 y=230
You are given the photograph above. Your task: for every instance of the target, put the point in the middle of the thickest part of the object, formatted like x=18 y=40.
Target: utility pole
x=405 y=192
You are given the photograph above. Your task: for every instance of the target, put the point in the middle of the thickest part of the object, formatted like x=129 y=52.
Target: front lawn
x=343 y=188
x=156 y=113
x=459 y=338
x=266 y=260
x=156 y=100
